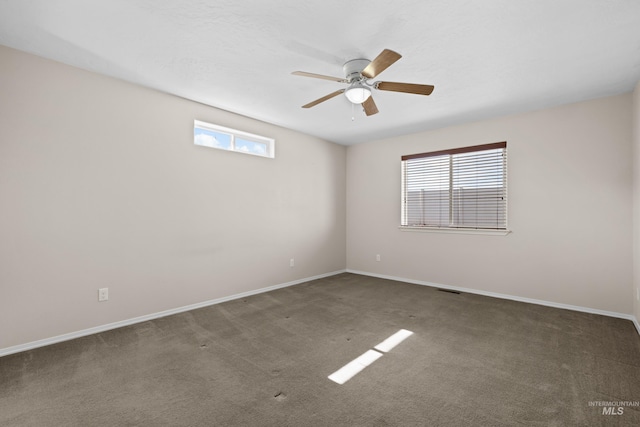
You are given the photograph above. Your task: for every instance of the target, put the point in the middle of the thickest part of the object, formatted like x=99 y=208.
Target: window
x=213 y=136
x=462 y=188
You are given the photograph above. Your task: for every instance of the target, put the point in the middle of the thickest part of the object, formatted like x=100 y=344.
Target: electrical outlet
x=378 y=257
x=103 y=294
x=638 y=294
x=292 y=262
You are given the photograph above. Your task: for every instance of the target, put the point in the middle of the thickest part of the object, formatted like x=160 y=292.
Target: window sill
x=456 y=230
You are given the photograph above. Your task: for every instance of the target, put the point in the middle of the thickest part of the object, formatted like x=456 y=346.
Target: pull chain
x=353 y=115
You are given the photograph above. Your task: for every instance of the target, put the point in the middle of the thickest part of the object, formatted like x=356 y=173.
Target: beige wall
x=569 y=186
x=101 y=186
x=636 y=201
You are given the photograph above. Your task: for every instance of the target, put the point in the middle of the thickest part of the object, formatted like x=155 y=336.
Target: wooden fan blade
x=405 y=87
x=324 y=98
x=370 y=107
x=319 y=76
x=382 y=62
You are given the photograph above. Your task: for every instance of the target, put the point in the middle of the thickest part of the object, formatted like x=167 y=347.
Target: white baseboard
x=102 y=328
x=505 y=296
x=635 y=322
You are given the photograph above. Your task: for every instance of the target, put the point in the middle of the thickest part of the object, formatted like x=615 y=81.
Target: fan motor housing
x=353 y=68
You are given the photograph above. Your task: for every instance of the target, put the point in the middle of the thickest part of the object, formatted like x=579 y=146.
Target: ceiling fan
x=357 y=73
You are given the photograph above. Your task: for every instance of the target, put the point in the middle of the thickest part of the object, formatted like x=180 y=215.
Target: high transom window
x=214 y=136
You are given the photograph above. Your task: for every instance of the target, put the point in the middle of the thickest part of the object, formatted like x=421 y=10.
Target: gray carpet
x=264 y=361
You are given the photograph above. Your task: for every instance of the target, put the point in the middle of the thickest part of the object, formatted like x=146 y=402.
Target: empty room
x=319 y=213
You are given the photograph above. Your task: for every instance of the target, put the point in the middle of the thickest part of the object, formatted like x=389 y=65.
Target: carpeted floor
x=264 y=361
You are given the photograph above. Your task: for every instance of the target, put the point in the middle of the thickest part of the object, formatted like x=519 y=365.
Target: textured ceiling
x=485 y=58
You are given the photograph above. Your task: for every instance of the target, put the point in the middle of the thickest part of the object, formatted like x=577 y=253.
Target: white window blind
x=458 y=188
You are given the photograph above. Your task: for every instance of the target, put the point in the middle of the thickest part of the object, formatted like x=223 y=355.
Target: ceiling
x=486 y=58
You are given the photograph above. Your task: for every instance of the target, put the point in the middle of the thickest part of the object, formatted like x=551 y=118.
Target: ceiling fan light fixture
x=357 y=93
x=358 y=74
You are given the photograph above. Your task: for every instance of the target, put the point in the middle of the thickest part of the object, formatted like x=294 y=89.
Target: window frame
x=236 y=134
x=454 y=228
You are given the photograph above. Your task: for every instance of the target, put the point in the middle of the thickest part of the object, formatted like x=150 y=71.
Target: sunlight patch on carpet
x=352 y=368
x=395 y=339
x=349 y=370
